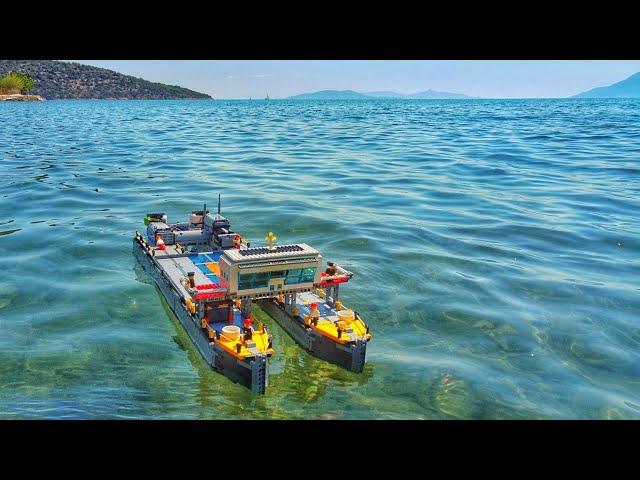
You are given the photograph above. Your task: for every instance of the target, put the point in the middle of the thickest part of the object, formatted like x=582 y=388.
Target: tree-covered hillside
x=54 y=79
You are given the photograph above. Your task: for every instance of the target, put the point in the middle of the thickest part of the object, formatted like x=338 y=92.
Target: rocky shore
x=17 y=97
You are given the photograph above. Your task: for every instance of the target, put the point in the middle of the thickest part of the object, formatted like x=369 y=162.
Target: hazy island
x=67 y=80
x=627 y=88
x=352 y=95
x=329 y=95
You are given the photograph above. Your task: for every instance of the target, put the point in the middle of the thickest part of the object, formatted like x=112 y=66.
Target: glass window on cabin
x=293 y=276
x=300 y=275
x=253 y=280
x=308 y=275
x=261 y=279
x=245 y=281
x=279 y=274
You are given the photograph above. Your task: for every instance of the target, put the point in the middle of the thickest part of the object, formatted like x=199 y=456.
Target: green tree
x=10 y=83
x=27 y=82
x=14 y=82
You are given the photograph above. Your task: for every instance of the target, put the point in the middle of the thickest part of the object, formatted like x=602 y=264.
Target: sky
x=238 y=79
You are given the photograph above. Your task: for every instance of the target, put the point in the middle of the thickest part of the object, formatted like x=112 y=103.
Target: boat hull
x=250 y=372
x=350 y=356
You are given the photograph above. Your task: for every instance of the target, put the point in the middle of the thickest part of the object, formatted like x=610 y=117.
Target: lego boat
x=210 y=276
x=320 y=323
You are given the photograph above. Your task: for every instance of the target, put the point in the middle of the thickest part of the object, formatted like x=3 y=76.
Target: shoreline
x=18 y=97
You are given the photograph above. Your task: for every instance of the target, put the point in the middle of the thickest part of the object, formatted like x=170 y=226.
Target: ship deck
x=328 y=320
x=304 y=299
x=207 y=263
x=177 y=265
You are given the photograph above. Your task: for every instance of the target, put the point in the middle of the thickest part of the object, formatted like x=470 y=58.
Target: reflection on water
x=294 y=375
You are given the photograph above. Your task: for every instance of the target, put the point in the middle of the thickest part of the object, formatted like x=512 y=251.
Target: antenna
x=218 y=204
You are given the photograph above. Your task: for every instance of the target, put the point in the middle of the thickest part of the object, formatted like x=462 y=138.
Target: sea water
x=495 y=245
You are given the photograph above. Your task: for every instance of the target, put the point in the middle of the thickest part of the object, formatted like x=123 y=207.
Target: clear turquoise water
x=495 y=244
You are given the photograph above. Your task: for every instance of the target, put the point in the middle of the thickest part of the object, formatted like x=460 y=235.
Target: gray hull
x=251 y=372
x=351 y=356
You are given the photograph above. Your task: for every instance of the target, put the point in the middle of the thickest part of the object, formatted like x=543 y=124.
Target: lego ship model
x=210 y=276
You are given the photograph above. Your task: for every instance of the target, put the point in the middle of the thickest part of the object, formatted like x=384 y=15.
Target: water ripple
x=495 y=246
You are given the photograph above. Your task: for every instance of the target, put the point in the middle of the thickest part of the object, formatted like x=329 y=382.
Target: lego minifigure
x=247 y=330
x=315 y=314
x=331 y=269
x=271 y=240
x=160 y=243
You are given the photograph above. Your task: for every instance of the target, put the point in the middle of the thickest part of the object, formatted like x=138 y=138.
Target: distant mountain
x=350 y=94
x=628 y=88
x=428 y=94
x=329 y=95
x=56 y=80
x=438 y=95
